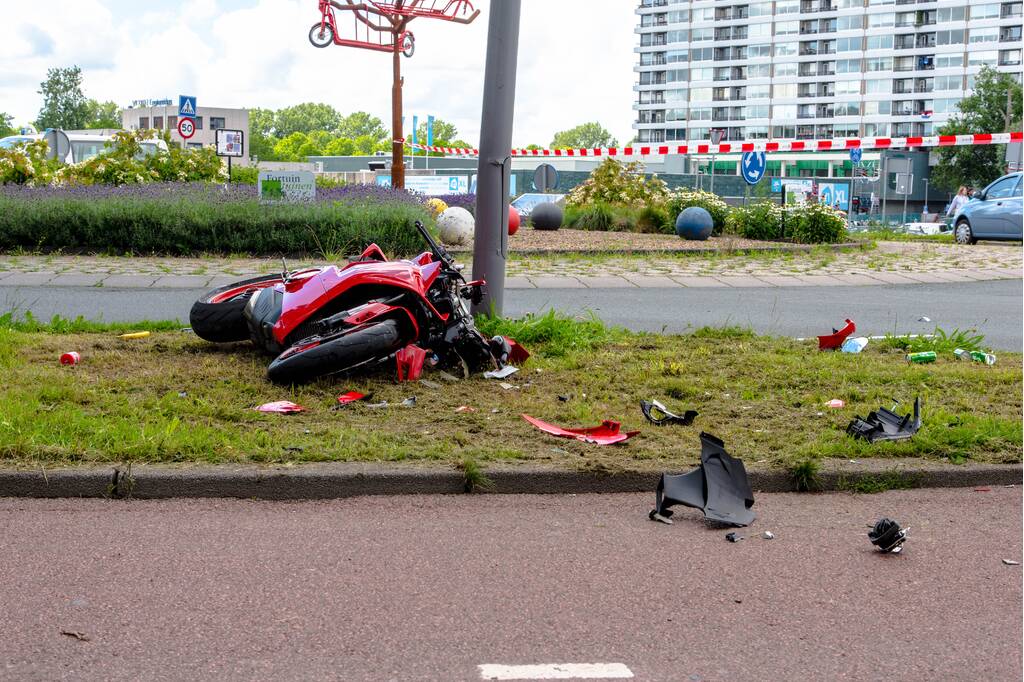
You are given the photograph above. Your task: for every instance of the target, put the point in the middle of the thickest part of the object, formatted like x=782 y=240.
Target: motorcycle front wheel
x=321 y=35
x=219 y=315
x=308 y=360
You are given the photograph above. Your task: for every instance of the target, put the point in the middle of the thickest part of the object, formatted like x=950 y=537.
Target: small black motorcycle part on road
x=888 y=536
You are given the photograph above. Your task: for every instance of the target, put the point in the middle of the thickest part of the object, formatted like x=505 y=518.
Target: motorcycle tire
x=338 y=354
x=321 y=35
x=219 y=315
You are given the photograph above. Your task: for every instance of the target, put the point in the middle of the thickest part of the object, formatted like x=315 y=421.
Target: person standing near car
x=958 y=202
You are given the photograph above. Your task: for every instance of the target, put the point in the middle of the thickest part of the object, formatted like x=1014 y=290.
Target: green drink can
x=922 y=358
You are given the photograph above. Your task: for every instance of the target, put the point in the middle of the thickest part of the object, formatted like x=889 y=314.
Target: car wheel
x=963 y=233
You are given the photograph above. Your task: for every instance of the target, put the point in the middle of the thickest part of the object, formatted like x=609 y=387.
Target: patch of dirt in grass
x=175 y=398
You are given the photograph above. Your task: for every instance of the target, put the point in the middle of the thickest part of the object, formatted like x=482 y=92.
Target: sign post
x=230 y=144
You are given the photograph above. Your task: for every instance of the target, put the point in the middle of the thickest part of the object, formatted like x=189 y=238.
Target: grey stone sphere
x=546 y=216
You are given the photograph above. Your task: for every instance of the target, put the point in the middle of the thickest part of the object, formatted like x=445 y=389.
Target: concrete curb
x=341 y=480
x=782 y=247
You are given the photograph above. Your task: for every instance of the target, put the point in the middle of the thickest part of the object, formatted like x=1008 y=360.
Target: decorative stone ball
x=455 y=225
x=546 y=216
x=513 y=220
x=436 y=206
x=694 y=223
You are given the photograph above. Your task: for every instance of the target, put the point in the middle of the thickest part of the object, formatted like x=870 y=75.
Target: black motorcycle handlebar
x=436 y=248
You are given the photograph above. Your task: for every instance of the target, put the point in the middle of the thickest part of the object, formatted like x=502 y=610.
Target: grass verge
x=174 y=398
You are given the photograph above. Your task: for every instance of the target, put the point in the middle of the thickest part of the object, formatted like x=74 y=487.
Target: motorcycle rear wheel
x=219 y=315
x=338 y=354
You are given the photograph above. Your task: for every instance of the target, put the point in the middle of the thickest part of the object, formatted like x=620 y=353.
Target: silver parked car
x=994 y=213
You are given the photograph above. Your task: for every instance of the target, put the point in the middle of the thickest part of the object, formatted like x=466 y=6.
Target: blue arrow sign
x=856 y=154
x=753 y=165
x=186 y=106
x=776 y=184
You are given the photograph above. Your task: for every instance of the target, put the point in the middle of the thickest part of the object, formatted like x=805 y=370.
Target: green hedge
x=208 y=220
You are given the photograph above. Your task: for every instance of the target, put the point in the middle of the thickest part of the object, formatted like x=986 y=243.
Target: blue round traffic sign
x=856 y=154
x=753 y=166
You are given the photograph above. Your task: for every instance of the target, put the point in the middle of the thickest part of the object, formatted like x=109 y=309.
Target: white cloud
x=575 y=61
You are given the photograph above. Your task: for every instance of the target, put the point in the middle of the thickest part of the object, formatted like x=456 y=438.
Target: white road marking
x=556 y=671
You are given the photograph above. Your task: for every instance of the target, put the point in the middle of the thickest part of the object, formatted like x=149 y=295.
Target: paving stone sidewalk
x=889 y=263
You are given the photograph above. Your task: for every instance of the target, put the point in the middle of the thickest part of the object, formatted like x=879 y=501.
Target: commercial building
x=814 y=69
x=163 y=115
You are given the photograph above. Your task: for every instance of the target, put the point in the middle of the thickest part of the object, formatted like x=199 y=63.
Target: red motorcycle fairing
x=303 y=297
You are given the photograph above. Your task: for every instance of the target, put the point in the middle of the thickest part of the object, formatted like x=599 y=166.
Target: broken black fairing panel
x=886 y=425
x=719 y=488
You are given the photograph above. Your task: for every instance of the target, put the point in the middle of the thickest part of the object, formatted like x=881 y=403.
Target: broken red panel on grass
x=607 y=433
x=517 y=354
x=281 y=407
x=351 y=397
x=836 y=338
x=410 y=362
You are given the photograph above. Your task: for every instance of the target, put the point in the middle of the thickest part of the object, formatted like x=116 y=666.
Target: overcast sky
x=575 y=60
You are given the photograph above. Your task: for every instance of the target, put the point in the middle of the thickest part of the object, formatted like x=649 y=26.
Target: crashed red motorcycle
x=326 y=320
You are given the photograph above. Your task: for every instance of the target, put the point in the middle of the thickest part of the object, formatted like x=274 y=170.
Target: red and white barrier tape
x=840 y=144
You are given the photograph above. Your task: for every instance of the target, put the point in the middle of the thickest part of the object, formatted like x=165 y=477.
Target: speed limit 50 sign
x=186 y=127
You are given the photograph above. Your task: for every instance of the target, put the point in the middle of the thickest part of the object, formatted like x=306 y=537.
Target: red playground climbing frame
x=381 y=26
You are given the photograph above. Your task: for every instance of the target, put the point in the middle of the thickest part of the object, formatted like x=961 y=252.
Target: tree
x=360 y=123
x=103 y=114
x=64 y=105
x=340 y=146
x=7 y=125
x=261 y=134
x=306 y=118
x=984 y=111
x=584 y=135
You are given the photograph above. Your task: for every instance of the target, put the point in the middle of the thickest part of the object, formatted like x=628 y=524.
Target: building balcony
x=1010 y=11
x=1010 y=34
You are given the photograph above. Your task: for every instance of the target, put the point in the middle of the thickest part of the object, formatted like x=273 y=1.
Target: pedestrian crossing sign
x=186 y=106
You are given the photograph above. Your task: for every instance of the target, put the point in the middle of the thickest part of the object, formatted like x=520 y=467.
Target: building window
x=144 y=123
x=172 y=122
x=158 y=122
x=217 y=123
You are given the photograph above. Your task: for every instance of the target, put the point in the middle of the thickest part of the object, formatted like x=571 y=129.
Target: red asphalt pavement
x=429 y=588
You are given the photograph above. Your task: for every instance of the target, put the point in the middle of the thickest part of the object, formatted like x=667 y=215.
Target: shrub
x=762 y=220
x=596 y=217
x=187 y=219
x=816 y=224
x=26 y=164
x=684 y=198
x=655 y=219
x=619 y=184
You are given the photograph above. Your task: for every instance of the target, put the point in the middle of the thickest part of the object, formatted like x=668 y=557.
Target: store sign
x=431 y=185
x=287 y=185
x=834 y=194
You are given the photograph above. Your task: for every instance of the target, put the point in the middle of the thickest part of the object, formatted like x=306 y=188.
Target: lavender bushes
x=193 y=218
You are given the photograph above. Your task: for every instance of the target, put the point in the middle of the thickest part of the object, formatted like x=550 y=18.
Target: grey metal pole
x=906 y=194
x=712 y=173
x=885 y=184
x=490 y=245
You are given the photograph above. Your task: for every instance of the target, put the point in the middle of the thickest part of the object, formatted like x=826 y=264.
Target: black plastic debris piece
x=886 y=425
x=888 y=536
x=719 y=488
x=659 y=416
x=733 y=537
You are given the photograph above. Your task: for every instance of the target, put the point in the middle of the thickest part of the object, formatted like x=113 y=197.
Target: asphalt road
x=432 y=588
x=994 y=308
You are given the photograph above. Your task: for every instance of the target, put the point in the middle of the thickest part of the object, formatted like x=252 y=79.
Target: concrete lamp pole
x=716 y=138
x=490 y=245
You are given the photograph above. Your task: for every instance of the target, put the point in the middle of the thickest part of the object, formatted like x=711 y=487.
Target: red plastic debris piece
x=836 y=338
x=410 y=362
x=517 y=355
x=281 y=407
x=351 y=397
x=605 y=434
